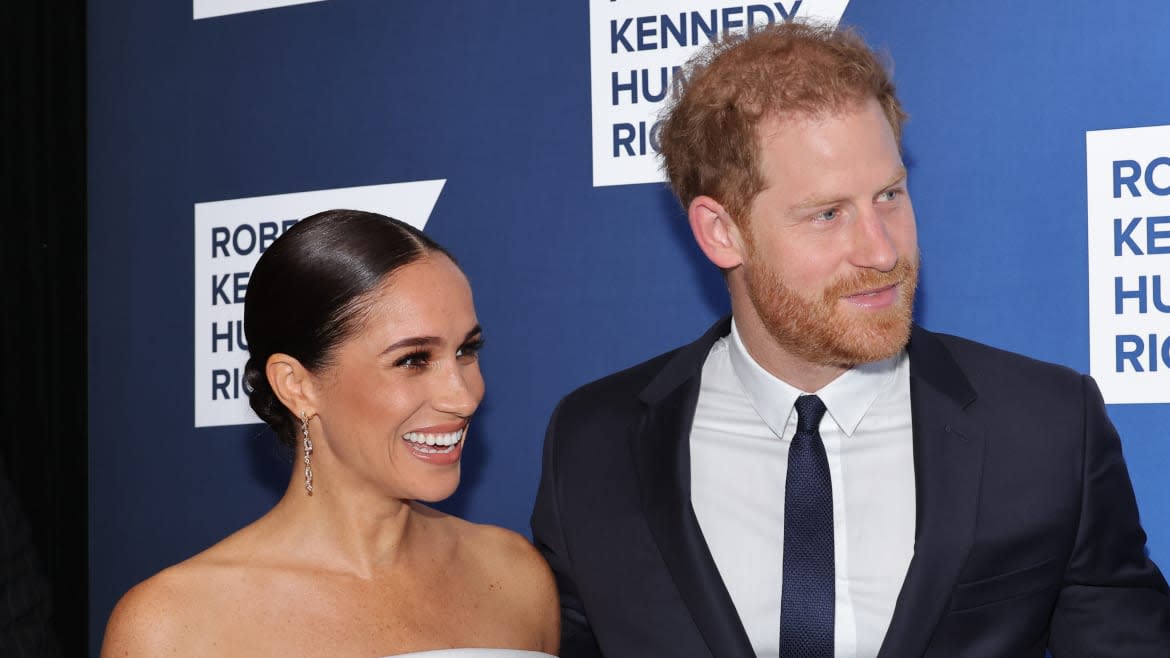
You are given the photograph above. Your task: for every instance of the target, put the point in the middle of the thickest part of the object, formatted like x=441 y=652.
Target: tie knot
x=809 y=411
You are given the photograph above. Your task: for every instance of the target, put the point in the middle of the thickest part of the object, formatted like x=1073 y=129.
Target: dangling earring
x=308 y=453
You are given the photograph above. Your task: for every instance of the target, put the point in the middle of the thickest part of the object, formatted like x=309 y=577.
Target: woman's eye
x=414 y=360
x=470 y=350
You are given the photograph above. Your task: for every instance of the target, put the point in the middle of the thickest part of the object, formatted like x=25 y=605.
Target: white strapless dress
x=474 y=653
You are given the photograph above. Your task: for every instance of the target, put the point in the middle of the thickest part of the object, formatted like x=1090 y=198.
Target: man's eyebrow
x=816 y=201
x=900 y=177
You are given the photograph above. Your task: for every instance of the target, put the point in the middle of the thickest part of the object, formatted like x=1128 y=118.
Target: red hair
x=709 y=141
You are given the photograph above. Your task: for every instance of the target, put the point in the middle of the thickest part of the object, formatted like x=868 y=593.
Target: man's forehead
x=807 y=157
x=772 y=124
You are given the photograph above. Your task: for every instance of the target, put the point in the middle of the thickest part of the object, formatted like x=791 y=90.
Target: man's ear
x=292 y=383
x=715 y=232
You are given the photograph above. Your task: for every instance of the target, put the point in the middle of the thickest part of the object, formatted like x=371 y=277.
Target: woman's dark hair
x=305 y=294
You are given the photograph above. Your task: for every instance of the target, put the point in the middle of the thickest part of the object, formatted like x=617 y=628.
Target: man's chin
x=870 y=352
x=854 y=345
x=835 y=331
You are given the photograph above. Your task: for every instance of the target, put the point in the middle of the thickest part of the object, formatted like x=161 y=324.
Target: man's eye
x=889 y=195
x=827 y=215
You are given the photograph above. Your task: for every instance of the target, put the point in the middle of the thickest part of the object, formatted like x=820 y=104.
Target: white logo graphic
x=1128 y=175
x=635 y=50
x=212 y=8
x=229 y=238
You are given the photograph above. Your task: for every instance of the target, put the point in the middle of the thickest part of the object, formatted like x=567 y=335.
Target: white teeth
x=447 y=440
x=433 y=450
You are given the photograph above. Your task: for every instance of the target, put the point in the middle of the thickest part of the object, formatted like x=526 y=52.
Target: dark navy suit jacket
x=1027 y=530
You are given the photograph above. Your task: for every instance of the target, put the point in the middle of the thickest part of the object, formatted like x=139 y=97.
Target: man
x=815 y=476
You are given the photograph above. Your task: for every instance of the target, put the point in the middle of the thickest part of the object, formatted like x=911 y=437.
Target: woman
x=364 y=358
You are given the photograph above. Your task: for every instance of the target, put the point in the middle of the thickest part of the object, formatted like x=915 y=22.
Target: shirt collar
x=847 y=398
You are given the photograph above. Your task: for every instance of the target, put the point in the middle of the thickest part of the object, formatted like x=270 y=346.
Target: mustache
x=904 y=271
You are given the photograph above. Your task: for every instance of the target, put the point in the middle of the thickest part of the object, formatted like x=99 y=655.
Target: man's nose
x=872 y=245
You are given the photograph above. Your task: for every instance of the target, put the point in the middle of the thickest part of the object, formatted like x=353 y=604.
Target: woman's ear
x=715 y=232
x=292 y=383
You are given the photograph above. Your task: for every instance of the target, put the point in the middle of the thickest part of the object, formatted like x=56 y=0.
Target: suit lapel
x=948 y=460
x=948 y=463
x=661 y=454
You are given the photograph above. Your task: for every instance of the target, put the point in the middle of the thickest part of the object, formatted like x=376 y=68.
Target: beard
x=819 y=330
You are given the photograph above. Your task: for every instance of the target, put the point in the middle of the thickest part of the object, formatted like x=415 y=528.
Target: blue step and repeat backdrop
x=521 y=135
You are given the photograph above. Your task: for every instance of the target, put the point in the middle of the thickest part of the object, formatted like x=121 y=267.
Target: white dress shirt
x=744 y=424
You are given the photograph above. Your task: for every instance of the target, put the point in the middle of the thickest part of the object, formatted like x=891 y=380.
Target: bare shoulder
x=491 y=548
x=170 y=613
x=518 y=578
x=157 y=615
x=507 y=551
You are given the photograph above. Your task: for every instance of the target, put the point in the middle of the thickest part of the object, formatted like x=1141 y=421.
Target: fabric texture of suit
x=1027 y=532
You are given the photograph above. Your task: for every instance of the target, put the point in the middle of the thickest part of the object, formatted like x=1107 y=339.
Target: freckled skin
x=360 y=568
x=827 y=260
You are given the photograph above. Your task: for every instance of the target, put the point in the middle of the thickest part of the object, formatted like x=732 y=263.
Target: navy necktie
x=807 y=601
